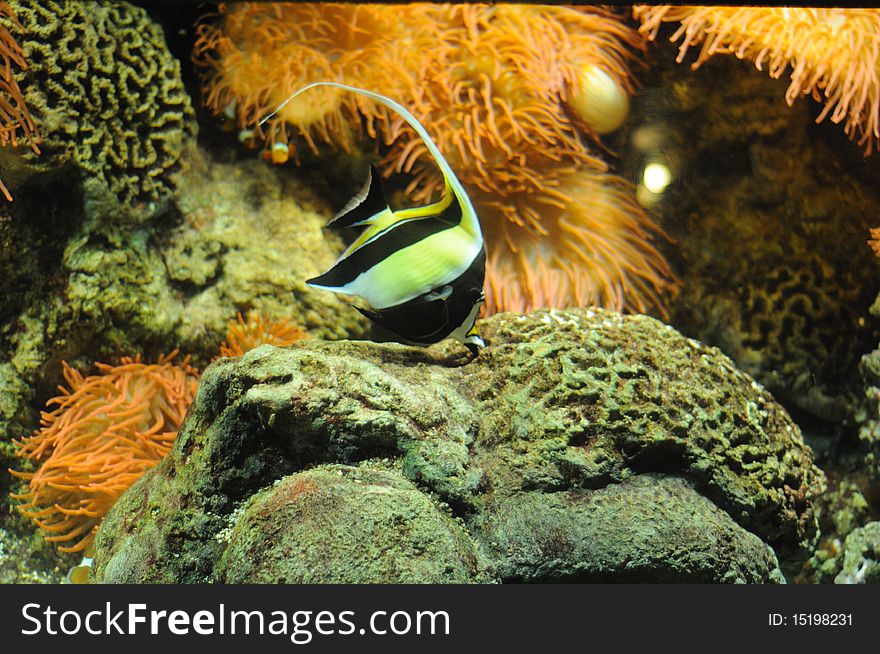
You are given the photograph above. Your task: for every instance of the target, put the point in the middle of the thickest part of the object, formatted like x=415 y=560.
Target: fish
x=420 y=270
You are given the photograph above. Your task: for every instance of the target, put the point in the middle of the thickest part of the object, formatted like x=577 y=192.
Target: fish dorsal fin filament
x=364 y=206
x=469 y=222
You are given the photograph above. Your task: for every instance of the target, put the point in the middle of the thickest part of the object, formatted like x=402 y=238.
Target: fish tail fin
x=364 y=205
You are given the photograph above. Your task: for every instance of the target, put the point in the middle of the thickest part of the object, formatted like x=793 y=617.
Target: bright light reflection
x=656 y=177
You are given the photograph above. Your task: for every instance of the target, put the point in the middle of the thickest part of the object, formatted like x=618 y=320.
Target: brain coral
x=106 y=94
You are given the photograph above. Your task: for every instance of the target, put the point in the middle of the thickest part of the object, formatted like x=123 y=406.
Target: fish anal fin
x=364 y=206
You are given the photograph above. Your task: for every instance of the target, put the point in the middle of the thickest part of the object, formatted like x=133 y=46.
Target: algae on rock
x=861 y=556
x=568 y=421
x=342 y=524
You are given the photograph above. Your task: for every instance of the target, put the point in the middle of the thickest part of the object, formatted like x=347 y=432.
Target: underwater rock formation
x=106 y=95
x=869 y=429
x=241 y=236
x=580 y=446
x=770 y=215
x=343 y=524
x=842 y=509
x=861 y=556
x=24 y=562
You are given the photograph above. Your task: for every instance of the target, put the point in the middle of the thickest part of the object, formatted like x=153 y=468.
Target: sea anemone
x=514 y=97
x=874 y=241
x=594 y=248
x=253 y=55
x=833 y=53
x=108 y=429
x=500 y=93
x=15 y=119
x=244 y=335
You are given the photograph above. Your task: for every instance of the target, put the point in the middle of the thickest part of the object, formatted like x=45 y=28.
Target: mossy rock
x=345 y=525
x=579 y=445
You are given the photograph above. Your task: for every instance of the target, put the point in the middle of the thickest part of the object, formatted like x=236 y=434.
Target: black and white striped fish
x=421 y=270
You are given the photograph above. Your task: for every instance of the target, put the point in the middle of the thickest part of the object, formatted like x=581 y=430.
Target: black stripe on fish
x=397 y=237
x=423 y=320
x=368 y=202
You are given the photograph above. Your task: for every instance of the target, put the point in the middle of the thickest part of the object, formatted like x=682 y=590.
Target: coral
x=645 y=521
x=16 y=121
x=769 y=216
x=502 y=89
x=24 y=561
x=589 y=442
x=107 y=95
x=244 y=335
x=240 y=236
x=861 y=556
x=594 y=248
x=832 y=52
x=106 y=432
x=869 y=429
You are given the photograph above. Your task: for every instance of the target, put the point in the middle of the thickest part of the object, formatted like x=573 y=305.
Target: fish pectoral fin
x=364 y=206
x=439 y=294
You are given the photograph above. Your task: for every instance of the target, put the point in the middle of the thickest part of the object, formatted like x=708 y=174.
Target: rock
x=861 y=556
x=243 y=235
x=340 y=524
x=580 y=445
x=24 y=559
x=869 y=427
x=639 y=529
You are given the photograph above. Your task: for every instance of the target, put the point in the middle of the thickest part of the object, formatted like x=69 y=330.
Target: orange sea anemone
x=495 y=95
x=834 y=53
x=108 y=429
x=595 y=249
x=244 y=335
x=874 y=241
x=15 y=119
x=252 y=55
